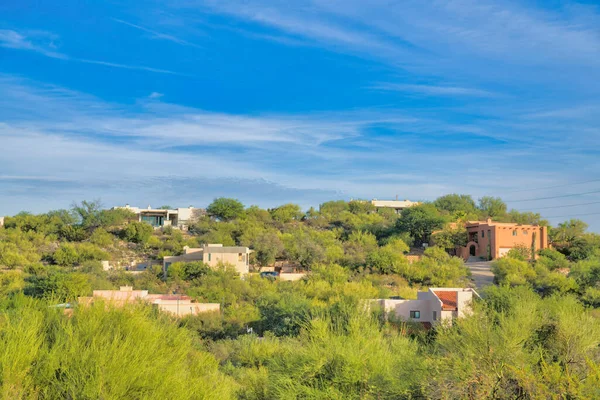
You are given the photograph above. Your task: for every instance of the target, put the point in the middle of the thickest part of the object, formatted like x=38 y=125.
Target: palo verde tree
x=225 y=209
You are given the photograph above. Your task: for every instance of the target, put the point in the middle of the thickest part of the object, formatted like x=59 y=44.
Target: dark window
x=435 y=315
x=515 y=233
x=208 y=256
x=482 y=234
x=240 y=257
x=415 y=314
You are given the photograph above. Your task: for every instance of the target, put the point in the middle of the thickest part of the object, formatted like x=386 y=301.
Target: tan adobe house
x=157 y=217
x=213 y=255
x=490 y=240
x=436 y=305
x=177 y=305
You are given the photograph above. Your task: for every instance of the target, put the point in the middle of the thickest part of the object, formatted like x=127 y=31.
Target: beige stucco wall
x=402 y=308
x=291 y=277
x=214 y=258
x=183 y=308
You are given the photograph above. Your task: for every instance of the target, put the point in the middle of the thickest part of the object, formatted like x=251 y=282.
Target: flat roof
x=393 y=203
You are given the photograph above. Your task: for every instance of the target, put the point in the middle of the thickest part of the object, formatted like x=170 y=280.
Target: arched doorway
x=472 y=250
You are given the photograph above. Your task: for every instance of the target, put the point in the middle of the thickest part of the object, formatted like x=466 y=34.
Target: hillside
x=534 y=335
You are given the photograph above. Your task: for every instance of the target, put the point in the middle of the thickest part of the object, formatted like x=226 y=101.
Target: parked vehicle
x=269 y=274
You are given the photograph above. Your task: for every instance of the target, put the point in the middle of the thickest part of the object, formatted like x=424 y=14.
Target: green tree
x=287 y=213
x=492 y=207
x=332 y=210
x=567 y=232
x=225 y=209
x=358 y=246
x=267 y=247
x=420 y=221
x=453 y=203
x=361 y=207
x=451 y=237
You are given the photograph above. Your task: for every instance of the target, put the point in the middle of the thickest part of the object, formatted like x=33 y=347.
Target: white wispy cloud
x=158 y=35
x=14 y=40
x=317 y=151
x=39 y=42
x=434 y=90
x=437 y=38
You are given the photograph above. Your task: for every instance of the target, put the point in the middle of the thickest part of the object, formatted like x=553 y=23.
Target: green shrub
x=137 y=232
x=103 y=353
x=101 y=238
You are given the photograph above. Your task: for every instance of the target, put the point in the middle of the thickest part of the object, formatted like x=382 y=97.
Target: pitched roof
x=449 y=299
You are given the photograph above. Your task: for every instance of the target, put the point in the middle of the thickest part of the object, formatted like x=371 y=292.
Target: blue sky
x=181 y=101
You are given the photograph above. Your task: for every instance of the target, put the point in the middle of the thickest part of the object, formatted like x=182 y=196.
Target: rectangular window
x=209 y=256
x=415 y=314
x=515 y=233
x=435 y=315
x=482 y=234
x=239 y=256
x=525 y=232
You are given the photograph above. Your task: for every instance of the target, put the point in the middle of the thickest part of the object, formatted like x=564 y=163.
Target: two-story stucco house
x=213 y=255
x=490 y=240
x=434 y=306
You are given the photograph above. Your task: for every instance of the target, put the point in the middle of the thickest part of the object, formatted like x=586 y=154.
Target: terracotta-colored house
x=433 y=306
x=490 y=240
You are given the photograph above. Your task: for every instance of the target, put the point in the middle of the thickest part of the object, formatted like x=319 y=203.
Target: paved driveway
x=482 y=273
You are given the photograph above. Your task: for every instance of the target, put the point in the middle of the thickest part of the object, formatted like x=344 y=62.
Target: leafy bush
x=519 y=252
x=137 y=232
x=512 y=271
x=102 y=238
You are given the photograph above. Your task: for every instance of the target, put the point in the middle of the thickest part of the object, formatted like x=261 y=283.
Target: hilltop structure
x=396 y=205
x=179 y=218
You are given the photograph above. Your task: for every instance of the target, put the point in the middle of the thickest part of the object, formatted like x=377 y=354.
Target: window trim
x=415 y=314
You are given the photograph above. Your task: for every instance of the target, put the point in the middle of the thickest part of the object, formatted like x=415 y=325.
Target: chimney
x=489 y=221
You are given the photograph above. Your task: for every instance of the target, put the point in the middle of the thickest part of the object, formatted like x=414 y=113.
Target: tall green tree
x=225 y=209
x=287 y=213
x=420 y=221
x=492 y=207
x=453 y=203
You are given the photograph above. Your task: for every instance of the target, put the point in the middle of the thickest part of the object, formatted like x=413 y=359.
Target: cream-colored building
x=177 y=305
x=179 y=218
x=214 y=255
x=434 y=306
x=396 y=205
